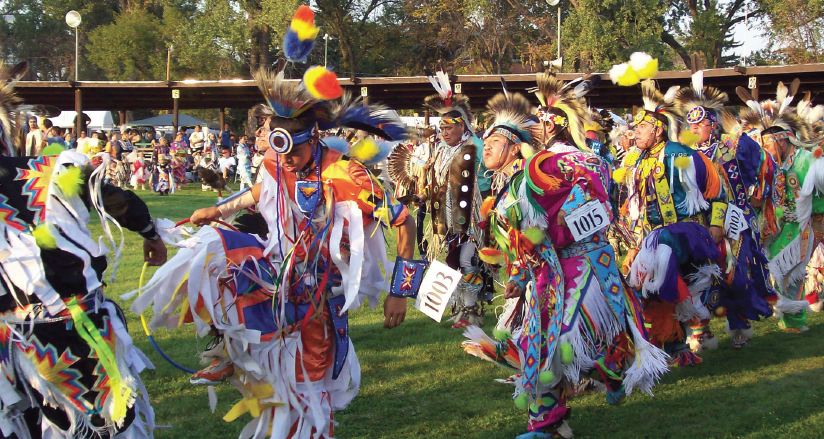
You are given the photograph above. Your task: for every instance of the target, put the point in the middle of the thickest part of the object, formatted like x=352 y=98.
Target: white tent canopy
x=100 y=120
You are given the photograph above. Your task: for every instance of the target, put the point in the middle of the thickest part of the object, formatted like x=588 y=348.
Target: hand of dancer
x=513 y=291
x=717 y=233
x=394 y=311
x=204 y=216
x=154 y=251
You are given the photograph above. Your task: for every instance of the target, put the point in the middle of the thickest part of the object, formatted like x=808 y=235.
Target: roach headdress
x=453 y=108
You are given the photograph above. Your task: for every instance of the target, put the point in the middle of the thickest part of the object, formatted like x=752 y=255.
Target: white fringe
x=650 y=364
x=787 y=306
x=694 y=201
x=586 y=346
x=651 y=262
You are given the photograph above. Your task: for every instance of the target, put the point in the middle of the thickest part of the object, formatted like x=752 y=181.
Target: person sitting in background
x=226 y=163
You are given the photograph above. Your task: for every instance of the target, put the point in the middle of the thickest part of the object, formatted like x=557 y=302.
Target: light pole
x=326 y=39
x=557 y=3
x=73 y=19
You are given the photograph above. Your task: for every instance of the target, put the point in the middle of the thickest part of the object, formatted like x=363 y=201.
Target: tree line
x=214 y=39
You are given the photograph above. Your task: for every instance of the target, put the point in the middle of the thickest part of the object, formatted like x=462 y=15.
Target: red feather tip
x=305 y=13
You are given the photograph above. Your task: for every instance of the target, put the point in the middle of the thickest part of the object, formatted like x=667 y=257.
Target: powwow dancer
x=789 y=236
x=281 y=304
x=747 y=174
x=452 y=197
x=68 y=368
x=568 y=311
x=669 y=191
x=813 y=115
x=563 y=114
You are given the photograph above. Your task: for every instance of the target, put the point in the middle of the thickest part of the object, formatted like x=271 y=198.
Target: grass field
x=418 y=383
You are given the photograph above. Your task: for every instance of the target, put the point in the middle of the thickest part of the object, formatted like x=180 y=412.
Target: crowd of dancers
x=616 y=242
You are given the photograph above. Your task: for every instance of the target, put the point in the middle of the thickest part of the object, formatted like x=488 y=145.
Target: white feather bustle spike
x=669 y=96
x=698 y=83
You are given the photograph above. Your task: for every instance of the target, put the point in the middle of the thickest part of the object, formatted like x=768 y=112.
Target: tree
x=130 y=48
x=704 y=27
x=599 y=33
x=796 y=29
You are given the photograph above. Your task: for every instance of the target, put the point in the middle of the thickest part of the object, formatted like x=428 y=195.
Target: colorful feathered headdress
x=699 y=102
x=452 y=107
x=659 y=108
x=812 y=115
x=569 y=98
x=774 y=113
x=9 y=103
x=511 y=116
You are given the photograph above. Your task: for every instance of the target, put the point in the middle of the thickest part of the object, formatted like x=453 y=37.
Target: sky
x=751 y=34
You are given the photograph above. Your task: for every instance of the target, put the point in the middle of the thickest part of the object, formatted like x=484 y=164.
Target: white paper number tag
x=586 y=220
x=736 y=222
x=437 y=287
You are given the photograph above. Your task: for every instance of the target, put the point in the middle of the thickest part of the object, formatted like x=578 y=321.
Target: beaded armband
x=407 y=277
x=719 y=214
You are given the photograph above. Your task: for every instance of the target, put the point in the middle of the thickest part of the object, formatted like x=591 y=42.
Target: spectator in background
x=69 y=140
x=53 y=136
x=197 y=139
x=210 y=146
x=34 y=138
x=226 y=163
x=225 y=136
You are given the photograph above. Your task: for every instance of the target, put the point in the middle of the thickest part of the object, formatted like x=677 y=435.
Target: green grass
x=417 y=382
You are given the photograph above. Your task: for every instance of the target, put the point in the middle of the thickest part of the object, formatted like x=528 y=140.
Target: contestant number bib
x=437 y=287
x=587 y=220
x=736 y=222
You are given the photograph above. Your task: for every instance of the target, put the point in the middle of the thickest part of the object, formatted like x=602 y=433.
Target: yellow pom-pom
x=70 y=181
x=620 y=175
x=624 y=75
x=364 y=150
x=645 y=66
x=43 y=237
x=683 y=162
x=534 y=235
x=322 y=83
x=688 y=138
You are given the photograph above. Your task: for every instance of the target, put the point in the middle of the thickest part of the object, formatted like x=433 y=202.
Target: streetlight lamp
x=73 y=19
x=326 y=39
x=557 y=3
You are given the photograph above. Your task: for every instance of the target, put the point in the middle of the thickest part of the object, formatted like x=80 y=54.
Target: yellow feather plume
x=70 y=181
x=43 y=237
x=364 y=150
x=688 y=138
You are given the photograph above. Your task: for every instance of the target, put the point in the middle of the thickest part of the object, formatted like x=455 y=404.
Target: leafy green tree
x=796 y=29
x=133 y=47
